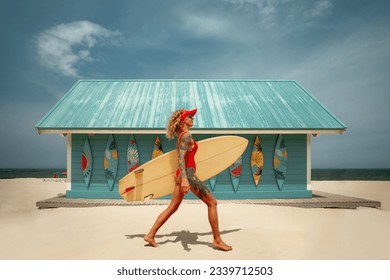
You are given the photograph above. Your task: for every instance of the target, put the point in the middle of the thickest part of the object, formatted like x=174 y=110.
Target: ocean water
x=8 y=173
x=316 y=174
x=350 y=174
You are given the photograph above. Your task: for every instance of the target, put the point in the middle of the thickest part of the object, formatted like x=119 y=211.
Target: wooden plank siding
x=295 y=185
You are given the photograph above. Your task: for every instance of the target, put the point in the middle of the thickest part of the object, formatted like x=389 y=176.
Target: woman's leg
x=201 y=191
x=177 y=198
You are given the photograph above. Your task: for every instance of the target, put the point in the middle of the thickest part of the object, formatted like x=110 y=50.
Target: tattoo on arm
x=184 y=143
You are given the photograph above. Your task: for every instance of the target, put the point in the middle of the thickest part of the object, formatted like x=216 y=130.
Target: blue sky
x=337 y=50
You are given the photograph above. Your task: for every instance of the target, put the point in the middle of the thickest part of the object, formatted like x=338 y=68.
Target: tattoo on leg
x=199 y=187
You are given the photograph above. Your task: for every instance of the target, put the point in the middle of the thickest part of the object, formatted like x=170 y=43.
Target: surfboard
x=213 y=180
x=132 y=155
x=110 y=161
x=280 y=161
x=156 y=178
x=86 y=162
x=257 y=161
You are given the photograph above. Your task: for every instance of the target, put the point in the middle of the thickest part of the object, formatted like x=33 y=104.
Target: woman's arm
x=184 y=143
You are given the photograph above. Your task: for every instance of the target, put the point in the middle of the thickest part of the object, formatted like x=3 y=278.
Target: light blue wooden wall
x=294 y=187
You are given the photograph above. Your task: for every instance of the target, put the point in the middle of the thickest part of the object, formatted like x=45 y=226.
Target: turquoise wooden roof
x=245 y=106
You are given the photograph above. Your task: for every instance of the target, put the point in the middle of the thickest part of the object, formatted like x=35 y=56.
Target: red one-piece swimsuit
x=189 y=157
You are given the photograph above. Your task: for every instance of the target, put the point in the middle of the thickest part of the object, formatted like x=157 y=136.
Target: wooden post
x=308 y=154
x=69 y=161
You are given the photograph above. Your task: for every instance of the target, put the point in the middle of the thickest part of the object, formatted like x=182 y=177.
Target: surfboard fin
x=129 y=189
x=148 y=197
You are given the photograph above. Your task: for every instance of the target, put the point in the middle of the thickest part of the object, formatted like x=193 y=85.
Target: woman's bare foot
x=222 y=246
x=151 y=241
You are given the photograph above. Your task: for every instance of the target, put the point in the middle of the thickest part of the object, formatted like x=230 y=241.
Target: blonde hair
x=173 y=125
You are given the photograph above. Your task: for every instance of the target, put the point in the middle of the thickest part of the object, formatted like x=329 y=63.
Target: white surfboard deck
x=156 y=178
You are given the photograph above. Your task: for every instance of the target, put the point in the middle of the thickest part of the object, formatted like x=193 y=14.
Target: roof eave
x=222 y=131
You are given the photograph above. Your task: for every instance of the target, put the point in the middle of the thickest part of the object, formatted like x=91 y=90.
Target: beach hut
x=113 y=126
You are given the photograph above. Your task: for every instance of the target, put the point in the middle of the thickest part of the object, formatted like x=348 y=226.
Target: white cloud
x=320 y=9
x=62 y=47
x=273 y=13
x=266 y=9
x=250 y=22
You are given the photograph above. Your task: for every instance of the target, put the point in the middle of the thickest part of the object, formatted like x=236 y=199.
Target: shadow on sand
x=185 y=237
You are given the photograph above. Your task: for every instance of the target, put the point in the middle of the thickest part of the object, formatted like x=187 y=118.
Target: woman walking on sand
x=179 y=125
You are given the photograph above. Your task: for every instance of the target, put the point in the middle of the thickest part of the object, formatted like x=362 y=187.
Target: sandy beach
x=254 y=231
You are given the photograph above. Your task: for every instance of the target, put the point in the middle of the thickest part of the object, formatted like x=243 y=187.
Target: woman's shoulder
x=186 y=135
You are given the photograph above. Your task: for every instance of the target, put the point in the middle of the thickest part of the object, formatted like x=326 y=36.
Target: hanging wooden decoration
x=86 y=162
x=235 y=173
x=110 y=161
x=280 y=161
x=157 y=148
x=132 y=155
x=257 y=161
x=213 y=182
